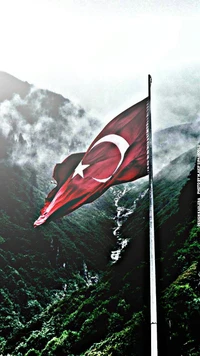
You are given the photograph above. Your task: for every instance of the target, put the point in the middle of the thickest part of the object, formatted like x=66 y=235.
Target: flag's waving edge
x=118 y=154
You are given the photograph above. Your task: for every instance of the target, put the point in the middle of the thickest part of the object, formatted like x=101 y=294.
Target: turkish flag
x=117 y=155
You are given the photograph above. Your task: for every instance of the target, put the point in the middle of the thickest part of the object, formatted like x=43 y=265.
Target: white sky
x=99 y=53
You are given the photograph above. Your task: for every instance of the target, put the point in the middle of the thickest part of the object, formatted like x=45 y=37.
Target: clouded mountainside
x=80 y=285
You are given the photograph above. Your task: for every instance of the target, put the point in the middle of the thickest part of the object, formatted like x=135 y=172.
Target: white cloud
x=96 y=52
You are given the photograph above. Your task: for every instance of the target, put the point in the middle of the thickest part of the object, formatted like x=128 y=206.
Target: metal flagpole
x=153 y=302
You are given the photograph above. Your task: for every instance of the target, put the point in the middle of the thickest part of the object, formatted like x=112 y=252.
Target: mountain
x=173 y=141
x=11 y=85
x=112 y=314
x=39 y=128
x=61 y=293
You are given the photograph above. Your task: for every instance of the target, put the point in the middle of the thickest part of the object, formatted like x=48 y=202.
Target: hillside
x=36 y=264
x=114 y=312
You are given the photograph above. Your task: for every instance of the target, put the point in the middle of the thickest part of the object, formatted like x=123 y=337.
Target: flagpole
x=153 y=302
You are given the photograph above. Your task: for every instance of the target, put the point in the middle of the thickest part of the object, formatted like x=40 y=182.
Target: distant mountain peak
x=10 y=85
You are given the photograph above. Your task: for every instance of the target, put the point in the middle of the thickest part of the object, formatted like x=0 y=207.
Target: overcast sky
x=99 y=53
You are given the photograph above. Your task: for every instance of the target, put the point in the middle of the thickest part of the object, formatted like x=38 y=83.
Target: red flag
x=117 y=155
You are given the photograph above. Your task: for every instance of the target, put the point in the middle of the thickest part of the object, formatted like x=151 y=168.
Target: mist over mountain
x=61 y=292
x=176 y=96
x=173 y=141
x=39 y=127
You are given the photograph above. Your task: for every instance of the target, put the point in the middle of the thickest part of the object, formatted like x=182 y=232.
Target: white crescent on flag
x=121 y=144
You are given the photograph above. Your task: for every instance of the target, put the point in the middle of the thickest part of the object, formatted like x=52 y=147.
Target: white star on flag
x=79 y=169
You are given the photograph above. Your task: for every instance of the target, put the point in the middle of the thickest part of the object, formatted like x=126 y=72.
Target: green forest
x=110 y=317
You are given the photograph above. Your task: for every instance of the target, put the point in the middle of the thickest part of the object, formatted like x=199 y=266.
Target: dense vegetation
x=41 y=317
